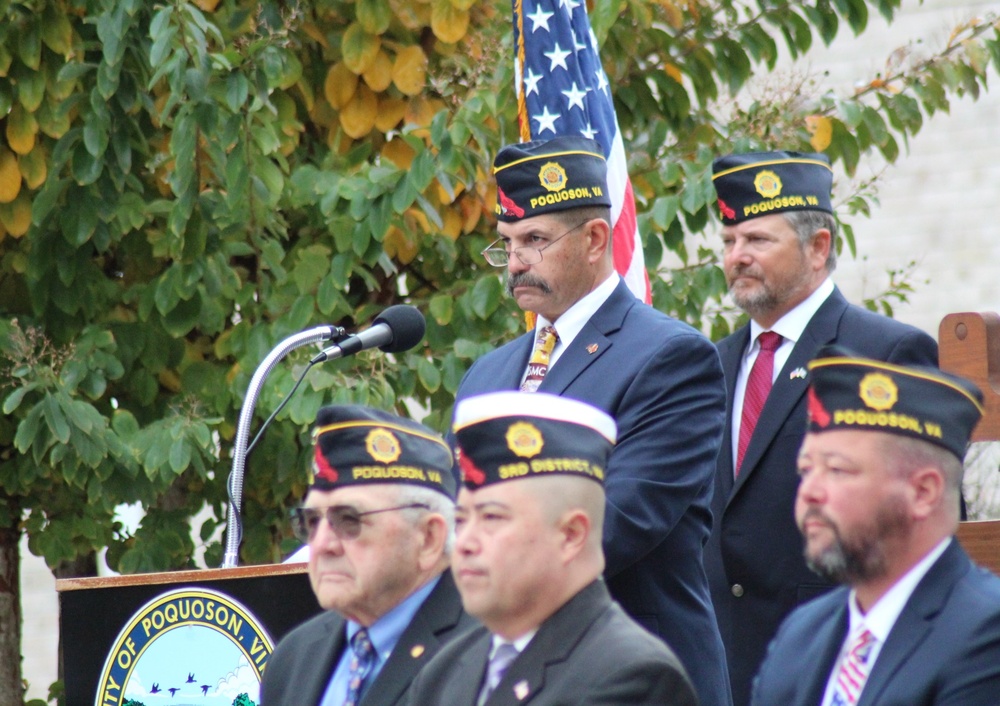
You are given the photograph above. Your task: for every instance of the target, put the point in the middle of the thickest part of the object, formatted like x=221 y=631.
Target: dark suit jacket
x=299 y=669
x=755 y=543
x=588 y=652
x=661 y=381
x=943 y=650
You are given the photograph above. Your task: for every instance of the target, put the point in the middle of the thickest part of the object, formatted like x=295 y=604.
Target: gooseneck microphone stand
x=234 y=523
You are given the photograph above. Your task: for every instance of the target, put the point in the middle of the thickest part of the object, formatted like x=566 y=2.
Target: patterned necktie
x=758 y=387
x=497 y=667
x=539 y=363
x=853 y=670
x=361 y=664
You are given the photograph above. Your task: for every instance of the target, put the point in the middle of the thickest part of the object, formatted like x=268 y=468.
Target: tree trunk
x=11 y=684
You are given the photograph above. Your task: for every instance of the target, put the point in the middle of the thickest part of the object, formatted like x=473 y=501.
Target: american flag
x=562 y=90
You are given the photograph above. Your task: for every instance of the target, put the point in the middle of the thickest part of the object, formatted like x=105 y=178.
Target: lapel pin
x=416 y=651
x=592 y=348
x=521 y=690
x=797 y=373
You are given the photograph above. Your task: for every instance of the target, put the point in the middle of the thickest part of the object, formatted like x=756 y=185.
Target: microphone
x=398 y=328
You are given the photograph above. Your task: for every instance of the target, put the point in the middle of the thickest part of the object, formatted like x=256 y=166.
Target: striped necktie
x=854 y=670
x=538 y=365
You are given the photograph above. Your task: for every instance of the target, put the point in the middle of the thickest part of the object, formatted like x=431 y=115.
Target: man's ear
x=574 y=528
x=927 y=486
x=819 y=248
x=599 y=239
x=433 y=531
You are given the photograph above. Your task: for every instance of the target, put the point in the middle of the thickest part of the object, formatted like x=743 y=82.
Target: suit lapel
x=731 y=356
x=555 y=641
x=916 y=621
x=591 y=343
x=823 y=652
x=439 y=613
x=789 y=389
x=327 y=649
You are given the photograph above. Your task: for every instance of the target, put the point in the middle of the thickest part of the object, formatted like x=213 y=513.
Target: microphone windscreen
x=407 y=325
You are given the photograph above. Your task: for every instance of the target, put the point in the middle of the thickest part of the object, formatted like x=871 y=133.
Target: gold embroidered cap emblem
x=382 y=445
x=878 y=391
x=524 y=439
x=552 y=176
x=767 y=184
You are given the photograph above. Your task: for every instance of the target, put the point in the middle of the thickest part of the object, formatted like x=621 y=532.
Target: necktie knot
x=769 y=341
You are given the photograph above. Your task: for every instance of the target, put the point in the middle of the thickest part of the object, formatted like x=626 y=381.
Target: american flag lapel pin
x=797 y=373
x=592 y=348
x=521 y=690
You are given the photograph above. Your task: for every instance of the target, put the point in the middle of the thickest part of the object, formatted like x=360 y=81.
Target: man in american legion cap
x=379 y=521
x=658 y=378
x=779 y=251
x=528 y=564
x=881 y=470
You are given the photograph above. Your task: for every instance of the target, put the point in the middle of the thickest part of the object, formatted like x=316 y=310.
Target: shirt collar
x=882 y=616
x=792 y=324
x=385 y=632
x=572 y=321
x=519 y=644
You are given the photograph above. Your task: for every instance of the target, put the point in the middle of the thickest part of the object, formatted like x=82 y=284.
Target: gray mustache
x=526 y=279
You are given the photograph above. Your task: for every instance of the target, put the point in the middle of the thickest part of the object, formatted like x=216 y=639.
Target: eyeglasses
x=500 y=256
x=344 y=520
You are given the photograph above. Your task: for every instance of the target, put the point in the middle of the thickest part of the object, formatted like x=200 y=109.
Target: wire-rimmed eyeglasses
x=500 y=256
x=344 y=520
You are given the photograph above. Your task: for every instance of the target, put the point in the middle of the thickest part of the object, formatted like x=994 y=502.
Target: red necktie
x=758 y=387
x=539 y=363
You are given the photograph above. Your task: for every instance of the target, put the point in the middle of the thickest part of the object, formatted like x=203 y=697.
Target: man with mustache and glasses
x=779 y=250
x=379 y=521
x=880 y=475
x=659 y=379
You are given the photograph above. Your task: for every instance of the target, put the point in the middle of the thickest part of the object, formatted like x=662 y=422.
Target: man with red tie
x=779 y=250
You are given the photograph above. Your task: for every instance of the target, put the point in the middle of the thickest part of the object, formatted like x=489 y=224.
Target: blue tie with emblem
x=361 y=664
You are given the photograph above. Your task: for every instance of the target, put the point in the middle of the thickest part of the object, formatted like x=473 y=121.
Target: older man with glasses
x=660 y=380
x=379 y=522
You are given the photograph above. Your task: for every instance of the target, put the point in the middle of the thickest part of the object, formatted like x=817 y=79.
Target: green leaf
x=486 y=296
x=430 y=376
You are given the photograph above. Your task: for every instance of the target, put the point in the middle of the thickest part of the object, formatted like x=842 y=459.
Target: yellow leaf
x=323 y=113
x=57 y=32
x=390 y=112
x=462 y=4
x=673 y=72
x=374 y=15
x=358 y=117
x=10 y=176
x=452 y=223
x=821 y=129
x=21 y=129
x=16 y=216
x=409 y=73
x=396 y=244
x=379 y=74
x=359 y=48
x=447 y=22
x=442 y=193
x=34 y=167
x=52 y=120
x=421 y=111
x=170 y=380
x=399 y=153
x=674 y=15
x=472 y=210
x=415 y=218
x=340 y=85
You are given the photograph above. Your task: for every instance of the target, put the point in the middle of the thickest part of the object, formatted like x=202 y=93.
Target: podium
x=969 y=345
x=183 y=638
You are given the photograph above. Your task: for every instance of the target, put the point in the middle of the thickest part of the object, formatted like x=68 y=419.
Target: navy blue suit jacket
x=943 y=650
x=661 y=381
x=299 y=669
x=754 y=557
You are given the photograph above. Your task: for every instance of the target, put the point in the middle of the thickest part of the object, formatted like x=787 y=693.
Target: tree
x=184 y=184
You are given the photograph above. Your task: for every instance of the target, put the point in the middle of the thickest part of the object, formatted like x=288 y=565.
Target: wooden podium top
x=172 y=577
